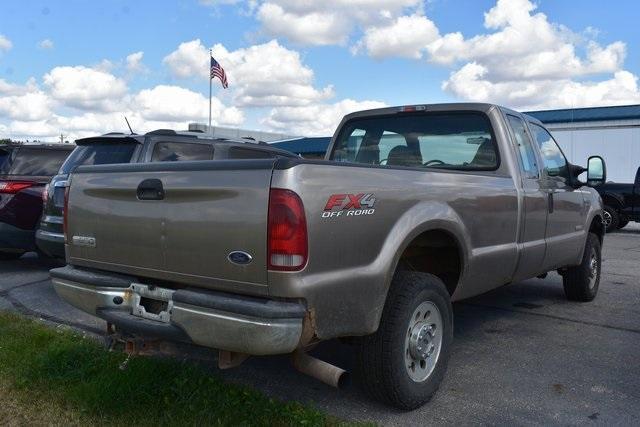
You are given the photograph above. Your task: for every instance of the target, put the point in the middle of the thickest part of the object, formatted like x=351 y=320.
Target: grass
x=52 y=376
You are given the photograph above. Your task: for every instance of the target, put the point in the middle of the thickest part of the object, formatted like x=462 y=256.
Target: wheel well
x=436 y=252
x=611 y=201
x=597 y=227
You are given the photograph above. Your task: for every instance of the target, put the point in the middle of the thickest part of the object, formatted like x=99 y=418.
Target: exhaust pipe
x=320 y=370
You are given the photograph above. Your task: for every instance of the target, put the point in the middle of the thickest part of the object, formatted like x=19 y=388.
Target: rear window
x=102 y=153
x=181 y=151
x=34 y=161
x=459 y=141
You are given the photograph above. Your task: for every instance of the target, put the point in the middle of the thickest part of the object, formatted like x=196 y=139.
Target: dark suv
x=157 y=146
x=25 y=170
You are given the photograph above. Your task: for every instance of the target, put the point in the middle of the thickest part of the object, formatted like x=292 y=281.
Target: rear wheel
x=403 y=363
x=582 y=281
x=610 y=219
x=10 y=255
x=622 y=223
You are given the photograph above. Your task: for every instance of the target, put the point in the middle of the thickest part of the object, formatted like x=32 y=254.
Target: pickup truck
x=413 y=207
x=161 y=145
x=621 y=203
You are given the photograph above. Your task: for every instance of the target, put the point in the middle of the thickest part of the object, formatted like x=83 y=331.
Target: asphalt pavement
x=522 y=354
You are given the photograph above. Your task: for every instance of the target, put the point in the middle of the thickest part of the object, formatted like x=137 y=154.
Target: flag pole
x=210 y=79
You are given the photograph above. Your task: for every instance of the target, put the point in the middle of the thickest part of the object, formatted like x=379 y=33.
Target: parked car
x=414 y=207
x=24 y=172
x=158 y=146
x=621 y=203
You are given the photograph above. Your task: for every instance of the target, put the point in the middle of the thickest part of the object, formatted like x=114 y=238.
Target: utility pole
x=61 y=139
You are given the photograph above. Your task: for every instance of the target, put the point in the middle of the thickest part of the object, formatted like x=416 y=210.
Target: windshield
x=34 y=161
x=462 y=141
x=100 y=153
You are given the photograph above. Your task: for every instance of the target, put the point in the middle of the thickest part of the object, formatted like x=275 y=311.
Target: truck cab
x=621 y=203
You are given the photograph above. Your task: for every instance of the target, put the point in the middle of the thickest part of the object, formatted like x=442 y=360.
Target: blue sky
x=337 y=59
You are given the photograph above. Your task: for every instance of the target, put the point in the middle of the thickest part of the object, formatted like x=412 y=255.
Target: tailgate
x=178 y=221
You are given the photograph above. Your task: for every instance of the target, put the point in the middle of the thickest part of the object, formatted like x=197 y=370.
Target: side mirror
x=596 y=171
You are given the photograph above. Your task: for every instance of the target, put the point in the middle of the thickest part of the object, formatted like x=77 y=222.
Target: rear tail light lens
x=13 y=187
x=45 y=194
x=65 y=212
x=286 y=231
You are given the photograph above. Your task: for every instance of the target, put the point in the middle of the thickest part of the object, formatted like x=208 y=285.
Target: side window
x=525 y=148
x=181 y=151
x=247 y=153
x=554 y=161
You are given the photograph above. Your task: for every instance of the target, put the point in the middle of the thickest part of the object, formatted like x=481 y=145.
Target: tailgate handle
x=150 y=189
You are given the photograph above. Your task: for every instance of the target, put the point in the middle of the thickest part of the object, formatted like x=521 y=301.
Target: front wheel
x=403 y=363
x=582 y=281
x=610 y=219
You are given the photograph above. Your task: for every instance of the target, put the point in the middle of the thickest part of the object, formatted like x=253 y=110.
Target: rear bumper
x=255 y=326
x=50 y=243
x=16 y=239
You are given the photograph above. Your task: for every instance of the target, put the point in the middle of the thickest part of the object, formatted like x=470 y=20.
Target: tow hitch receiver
x=151 y=302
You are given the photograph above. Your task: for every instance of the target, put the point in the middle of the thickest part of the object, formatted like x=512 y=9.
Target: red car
x=25 y=171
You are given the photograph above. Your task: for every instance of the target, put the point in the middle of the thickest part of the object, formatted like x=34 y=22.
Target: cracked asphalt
x=522 y=354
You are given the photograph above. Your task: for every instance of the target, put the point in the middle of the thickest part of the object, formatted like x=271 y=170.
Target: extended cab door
x=565 y=231
x=531 y=241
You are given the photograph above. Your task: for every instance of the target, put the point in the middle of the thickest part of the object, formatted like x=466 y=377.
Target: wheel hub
x=423 y=341
x=606 y=219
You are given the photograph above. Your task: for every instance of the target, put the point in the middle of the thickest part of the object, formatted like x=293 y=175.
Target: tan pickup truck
x=413 y=208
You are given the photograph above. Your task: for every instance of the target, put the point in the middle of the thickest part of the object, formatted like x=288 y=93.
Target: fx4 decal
x=349 y=205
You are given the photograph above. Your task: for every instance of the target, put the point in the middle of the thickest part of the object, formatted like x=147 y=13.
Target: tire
x=582 y=281
x=10 y=255
x=383 y=359
x=611 y=219
x=622 y=223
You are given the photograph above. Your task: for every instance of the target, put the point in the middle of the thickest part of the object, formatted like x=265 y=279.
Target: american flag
x=218 y=71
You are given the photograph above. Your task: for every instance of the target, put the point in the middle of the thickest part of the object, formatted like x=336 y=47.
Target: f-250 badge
x=349 y=205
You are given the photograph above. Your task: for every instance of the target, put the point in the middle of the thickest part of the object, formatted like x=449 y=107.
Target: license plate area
x=152 y=302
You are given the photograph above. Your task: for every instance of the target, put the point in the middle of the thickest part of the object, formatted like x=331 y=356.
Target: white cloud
x=314 y=120
x=29 y=106
x=261 y=75
x=177 y=104
x=316 y=28
x=45 y=44
x=86 y=88
x=405 y=37
x=326 y=22
x=470 y=83
x=5 y=43
x=133 y=63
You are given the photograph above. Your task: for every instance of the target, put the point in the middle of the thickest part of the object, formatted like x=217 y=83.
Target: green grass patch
x=55 y=370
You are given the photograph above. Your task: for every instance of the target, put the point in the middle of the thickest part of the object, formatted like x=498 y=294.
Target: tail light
x=286 y=231
x=13 y=187
x=65 y=212
x=45 y=194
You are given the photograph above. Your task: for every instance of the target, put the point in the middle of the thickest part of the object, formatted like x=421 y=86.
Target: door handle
x=150 y=189
x=550 y=201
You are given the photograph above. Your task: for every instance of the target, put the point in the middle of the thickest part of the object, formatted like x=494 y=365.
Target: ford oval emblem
x=240 y=257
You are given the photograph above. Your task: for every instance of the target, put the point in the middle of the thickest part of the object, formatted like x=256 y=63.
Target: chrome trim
x=206 y=327
x=60 y=184
x=53 y=219
x=56 y=236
